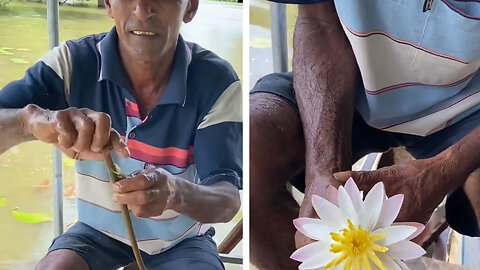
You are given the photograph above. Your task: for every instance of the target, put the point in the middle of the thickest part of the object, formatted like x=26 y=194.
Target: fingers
x=102 y=126
x=138 y=197
x=85 y=128
x=118 y=145
x=142 y=181
x=67 y=133
x=87 y=133
x=365 y=180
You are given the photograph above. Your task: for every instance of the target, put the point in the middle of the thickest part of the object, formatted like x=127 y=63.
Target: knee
x=276 y=144
x=62 y=260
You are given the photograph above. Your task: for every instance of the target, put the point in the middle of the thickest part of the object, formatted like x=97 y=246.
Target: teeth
x=144 y=33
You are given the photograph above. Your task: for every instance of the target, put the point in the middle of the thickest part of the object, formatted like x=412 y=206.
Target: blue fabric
x=299 y=2
x=104 y=253
x=366 y=139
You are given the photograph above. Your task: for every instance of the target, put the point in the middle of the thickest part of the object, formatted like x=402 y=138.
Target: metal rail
x=53 y=38
x=278 y=23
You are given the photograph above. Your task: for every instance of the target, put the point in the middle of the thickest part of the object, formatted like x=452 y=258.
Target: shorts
x=366 y=139
x=105 y=253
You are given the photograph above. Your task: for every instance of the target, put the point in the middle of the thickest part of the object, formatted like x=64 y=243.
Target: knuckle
x=143 y=197
x=104 y=118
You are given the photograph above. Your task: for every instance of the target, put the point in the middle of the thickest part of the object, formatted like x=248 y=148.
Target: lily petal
x=355 y=195
x=328 y=212
x=390 y=209
x=394 y=234
x=389 y=263
x=314 y=229
x=372 y=206
x=313 y=256
x=402 y=265
x=332 y=195
x=346 y=205
x=420 y=227
x=405 y=250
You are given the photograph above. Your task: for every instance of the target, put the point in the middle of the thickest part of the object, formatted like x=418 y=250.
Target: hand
x=79 y=133
x=319 y=186
x=423 y=182
x=147 y=193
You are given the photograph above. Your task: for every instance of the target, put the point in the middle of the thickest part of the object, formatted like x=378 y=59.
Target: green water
x=25 y=170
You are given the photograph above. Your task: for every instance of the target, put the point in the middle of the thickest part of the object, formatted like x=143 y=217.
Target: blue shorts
x=366 y=139
x=105 y=253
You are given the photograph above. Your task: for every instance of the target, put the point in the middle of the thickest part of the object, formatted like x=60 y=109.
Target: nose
x=143 y=10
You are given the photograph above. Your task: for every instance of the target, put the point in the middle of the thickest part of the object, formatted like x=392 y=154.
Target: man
x=172 y=112
x=368 y=76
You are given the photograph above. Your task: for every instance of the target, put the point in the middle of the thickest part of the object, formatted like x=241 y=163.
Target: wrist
x=453 y=173
x=175 y=197
x=25 y=115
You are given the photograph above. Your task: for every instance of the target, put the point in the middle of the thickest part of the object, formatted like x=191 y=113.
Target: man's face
x=149 y=28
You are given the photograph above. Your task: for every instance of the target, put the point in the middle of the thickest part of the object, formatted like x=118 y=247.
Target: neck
x=148 y=77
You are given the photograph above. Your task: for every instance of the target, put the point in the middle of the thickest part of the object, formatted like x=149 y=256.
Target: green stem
x=116 y=175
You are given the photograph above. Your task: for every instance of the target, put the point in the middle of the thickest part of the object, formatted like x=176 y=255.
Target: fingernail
x=96 y=149
x=341 y=176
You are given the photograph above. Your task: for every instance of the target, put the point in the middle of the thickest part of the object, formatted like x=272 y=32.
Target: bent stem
x=115 y=175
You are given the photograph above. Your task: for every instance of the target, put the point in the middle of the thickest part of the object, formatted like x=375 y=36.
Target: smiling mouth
x=143 y=33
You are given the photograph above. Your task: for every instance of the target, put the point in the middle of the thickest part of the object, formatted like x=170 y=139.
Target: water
x=260 y=39
x=26 y=170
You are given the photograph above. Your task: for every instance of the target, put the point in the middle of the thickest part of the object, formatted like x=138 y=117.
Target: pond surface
x=26 y=170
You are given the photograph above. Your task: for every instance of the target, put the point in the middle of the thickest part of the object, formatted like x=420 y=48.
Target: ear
x=191 y=10
x=108 y=6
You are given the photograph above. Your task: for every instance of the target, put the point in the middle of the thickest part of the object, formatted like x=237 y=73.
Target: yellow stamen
x=356 y=247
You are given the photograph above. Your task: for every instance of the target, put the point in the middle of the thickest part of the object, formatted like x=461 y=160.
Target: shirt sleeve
x=44 y=84
x=299 y=2
x=218 y=140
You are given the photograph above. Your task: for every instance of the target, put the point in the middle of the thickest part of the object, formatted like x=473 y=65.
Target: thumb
x=360 y=177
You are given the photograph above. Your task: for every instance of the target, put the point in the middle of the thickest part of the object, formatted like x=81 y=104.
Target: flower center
x=356 y=247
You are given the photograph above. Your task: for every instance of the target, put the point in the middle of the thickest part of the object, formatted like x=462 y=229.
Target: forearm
x=461 y=159
x=324 y=79
x=12 y=129
x=207 y=204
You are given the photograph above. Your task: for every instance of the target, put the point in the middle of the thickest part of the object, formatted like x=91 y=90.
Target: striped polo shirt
x=419 y=61
x=195 y=131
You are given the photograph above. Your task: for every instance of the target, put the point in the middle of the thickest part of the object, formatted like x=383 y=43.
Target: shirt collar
x=112 y=69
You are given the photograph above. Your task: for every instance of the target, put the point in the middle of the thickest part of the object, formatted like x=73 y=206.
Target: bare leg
x=472 y=189
x=276 y=156
x=62 y=259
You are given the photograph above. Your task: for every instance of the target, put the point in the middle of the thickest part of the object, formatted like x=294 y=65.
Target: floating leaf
x=3 y=201
x=6 y=48
x=23 y=49
x=19 y=61
x=5 y=51
x=260 y=43
x=31 y=218
x=68 y=162
x=44 y=184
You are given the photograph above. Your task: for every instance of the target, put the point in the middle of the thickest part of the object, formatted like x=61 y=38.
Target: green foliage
x=5 y=50
x=4 y=3
x=19 y=61
x=3 y=201
x=31 y=218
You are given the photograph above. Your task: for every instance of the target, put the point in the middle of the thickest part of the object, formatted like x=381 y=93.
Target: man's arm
x=12 y=129
x=154 y=191
x=324 y=71
x=79 y=133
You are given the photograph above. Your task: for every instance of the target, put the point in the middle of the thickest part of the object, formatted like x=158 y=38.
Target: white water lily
x=353 y=233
